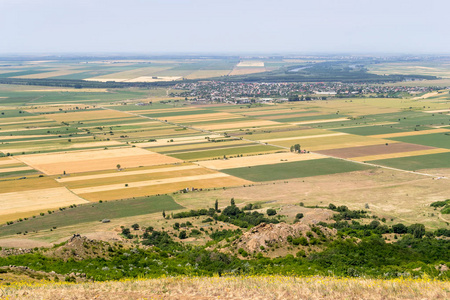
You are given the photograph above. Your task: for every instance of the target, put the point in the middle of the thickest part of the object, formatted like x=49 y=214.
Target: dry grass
x=236 y=287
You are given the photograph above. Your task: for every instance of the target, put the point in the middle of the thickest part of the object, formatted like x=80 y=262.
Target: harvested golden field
x=207 y=74
x=237 y=287
x=202 y=117
x=320 y=121
x=235 y=125
x=30 y=183
x=127 y=173
x=179 y=141
x=250 y=63
x=15 y=169
x=33 y=200
x=162 y=187
x=8 y=161
x=247 y=70
x=110 y=187
x=336 y=142
x=87 y=115
x=292 y=138
x=94 y=160
x=257 y=160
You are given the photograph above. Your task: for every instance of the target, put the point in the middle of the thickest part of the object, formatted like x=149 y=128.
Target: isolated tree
x=232 y=202
x=271 y=212
x=164 y=214
x=182 y=235
x=297 y=147
x=118 y=166
x=135 y=226
x=216 y=205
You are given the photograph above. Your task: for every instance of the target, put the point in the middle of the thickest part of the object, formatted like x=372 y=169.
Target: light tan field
x=176 y=141
x=15 y=169
x=257 y=160
x=400 y=154
x=128 y=173
x=207 y=74
x=245 y=71
x=336 y=142
x=137 y=184
x=427 y=95
x=410 y=133
x=304 y=137
x=51 y=74
x=219 y=182
x=152 y=79
x=250 y=63
x=320 y=121
x=8 y=161
x=202 y=117
x=244 y=124
x=31 y=183
x=33 y=200
x=85 y=161
x=87 y=115
x=437 y=111
x=270 y=112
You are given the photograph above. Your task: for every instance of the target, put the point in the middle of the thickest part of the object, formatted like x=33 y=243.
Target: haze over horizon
x=200 y=26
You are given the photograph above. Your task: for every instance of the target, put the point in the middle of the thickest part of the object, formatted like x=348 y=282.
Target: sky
x=216 y=26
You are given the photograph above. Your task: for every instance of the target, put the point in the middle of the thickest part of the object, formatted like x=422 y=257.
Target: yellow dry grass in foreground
x=254 y=287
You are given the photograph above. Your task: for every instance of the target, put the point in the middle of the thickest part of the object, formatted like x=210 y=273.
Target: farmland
x=132 y=157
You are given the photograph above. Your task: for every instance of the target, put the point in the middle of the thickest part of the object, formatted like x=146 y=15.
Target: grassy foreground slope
x=237 y=287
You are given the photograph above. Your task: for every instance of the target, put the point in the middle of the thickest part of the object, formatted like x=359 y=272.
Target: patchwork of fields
x=60 y=148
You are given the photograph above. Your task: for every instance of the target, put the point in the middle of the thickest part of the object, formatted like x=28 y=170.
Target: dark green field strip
x=53 y=130
x=370 y=130
x=297 y=169
x=229 y=151
x=17 y=173
x=312 y=118
x=62 y=149
x=179 y=113
x=23 y=73
x=106 y=123
x=439 y=140
x=13 y=113
x=211 y=147
x=413 y=163
x=92 y=212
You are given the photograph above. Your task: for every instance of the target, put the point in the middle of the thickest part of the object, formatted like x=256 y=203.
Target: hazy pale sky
x=208 y=26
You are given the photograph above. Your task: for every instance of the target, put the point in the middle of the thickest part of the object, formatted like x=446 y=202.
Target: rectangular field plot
x=88 y=115
x=21 y=202
x=94 y=212
x=379 y=131
x=238 y=125
x=410 y=133
x=219 y=153
x=296 y=169
x=163 y=186
x=257 y=160
x=374 y=150
x=335 y=141
x=412 y=163
x=85 y=161
x=440 y=140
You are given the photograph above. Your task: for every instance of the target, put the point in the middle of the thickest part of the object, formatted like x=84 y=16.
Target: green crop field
x=439 y=140
x=413 y=163
x=296 y=169
x=370 y=130
x=219 y=153
x=94 y=212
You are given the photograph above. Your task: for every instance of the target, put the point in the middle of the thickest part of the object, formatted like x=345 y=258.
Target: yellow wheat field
x=236 y=287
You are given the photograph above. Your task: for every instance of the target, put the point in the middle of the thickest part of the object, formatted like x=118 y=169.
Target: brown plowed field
x=374 y=150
